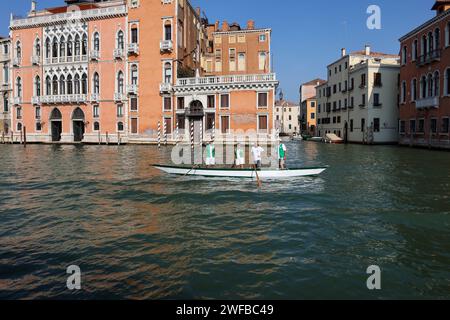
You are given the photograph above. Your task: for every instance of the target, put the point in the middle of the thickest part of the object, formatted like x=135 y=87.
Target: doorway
x=78 y=125
x=56 y=125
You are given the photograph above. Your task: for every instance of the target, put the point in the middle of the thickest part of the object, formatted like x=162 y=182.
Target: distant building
x=286 y=117
x=425 y=82
x=359 y=102
x=5 y=86
x=308 y=104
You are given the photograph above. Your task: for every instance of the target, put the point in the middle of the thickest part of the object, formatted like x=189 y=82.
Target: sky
x=306 y=35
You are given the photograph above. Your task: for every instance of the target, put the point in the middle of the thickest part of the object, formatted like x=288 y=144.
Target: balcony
x=17 y=62
x=17 y=101
x=35 y=60
x=430 y=57
x=66 y=59
x=133 y=48
x=95 y=97
x=95 y=55
x=5 y=87
x=166 y=45
x=118 y=54
x=132 y=89
x=235 y=79
x=36 y=100
x=165 y=87
x=66 y=98
x=431 y=102
x=119 y=97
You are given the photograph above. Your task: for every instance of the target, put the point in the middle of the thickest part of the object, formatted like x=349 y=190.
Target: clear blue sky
x=307 y=35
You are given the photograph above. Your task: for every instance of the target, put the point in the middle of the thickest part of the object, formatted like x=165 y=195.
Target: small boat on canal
x=270 y=174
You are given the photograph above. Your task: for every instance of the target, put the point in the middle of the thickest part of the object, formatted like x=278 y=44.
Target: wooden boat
x=241 y=173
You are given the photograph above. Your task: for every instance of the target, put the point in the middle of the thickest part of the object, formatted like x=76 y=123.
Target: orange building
x=128 y=70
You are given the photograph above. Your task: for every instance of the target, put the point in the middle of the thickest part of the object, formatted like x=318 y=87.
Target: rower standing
x=257 y=155
x=210 y=155
x=282 y=155
x=239 y=156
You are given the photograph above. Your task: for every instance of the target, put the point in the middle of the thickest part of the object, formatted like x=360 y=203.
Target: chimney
x=367 y=50
x=216 y=26
x=33 y=6
x=250 y=24
x=225 y=26
x=343 y=52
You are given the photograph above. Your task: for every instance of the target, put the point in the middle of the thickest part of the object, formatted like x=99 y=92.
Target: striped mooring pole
x=165 y=133
x=177 y=132
x=159 y=134
x=213 y=134
x=192 y=135
x=201 y=133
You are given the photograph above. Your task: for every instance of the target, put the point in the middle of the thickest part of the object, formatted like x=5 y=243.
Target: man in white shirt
x=257 y=155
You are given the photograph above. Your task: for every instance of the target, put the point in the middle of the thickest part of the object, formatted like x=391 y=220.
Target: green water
x=136 y=233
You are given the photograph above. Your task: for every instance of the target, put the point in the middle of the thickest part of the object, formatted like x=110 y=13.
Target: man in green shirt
x=210 y=155
x=282 y=155
x=239 y=156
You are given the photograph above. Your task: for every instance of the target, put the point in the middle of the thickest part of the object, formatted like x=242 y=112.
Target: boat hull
x=243 y=173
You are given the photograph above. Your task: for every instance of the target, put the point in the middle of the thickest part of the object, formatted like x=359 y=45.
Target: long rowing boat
x=241 y=173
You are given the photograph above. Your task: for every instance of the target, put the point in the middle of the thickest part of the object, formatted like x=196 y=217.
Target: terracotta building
x=5 y=88
x=308 y=106
x=424 y=82
x=130 y=70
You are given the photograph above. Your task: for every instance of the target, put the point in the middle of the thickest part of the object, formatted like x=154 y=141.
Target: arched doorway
x=195 y=114
x=56 y=125
x=78 y=125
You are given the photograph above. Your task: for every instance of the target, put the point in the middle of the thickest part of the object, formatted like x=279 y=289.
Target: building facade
x=5 y=89
x=287 y=117
x=424 y=82
x=359 y=101
x=131 y=70
x=308 y=106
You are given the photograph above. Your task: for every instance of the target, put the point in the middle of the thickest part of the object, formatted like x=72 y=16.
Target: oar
x=258 y=181
x=194 y=167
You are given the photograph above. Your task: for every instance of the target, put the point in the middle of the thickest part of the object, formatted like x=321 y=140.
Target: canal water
x=136 y=233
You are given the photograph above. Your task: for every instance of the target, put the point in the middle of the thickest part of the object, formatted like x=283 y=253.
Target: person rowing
x=210 y=155
x=257 y=151
x=239 y=156
x=282 y=155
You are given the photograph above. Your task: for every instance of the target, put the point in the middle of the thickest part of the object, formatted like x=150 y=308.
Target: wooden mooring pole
x=24 y=136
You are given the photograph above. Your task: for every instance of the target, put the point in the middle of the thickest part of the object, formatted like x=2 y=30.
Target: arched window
x=430 y=85
x=76 y=84
x=447 y=81
x=134 y=74
x=37 y=47
x=447 y=34
x=55 y=48
x=48 y=86
x=77 y=46
x=436 y=88
x=96 y=126
x=167 y=72
x=62 y=85
x=55 y=85
x=62 y=47
x=84 y=45
x=69 y=84
x=437 y=39
x=69 y=46
x=404 y=55
x=120 y=126
x=414 y=90
x=430 y=42
x=120 y=88
x=414 y=50
x=96 y=82
x=167 y=30
x=37 y=86
x=423 y=87
x=19 y=126
x=424 y=47
x=19 y=87
x=47 y=48
x=96 y=42
x=84 y=83
x=18 y=50
x=120 y=40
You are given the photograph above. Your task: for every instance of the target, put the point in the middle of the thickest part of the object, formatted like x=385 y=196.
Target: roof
x=439 y=3
x=285 y=103
x=374 y=54
x=315 y=82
